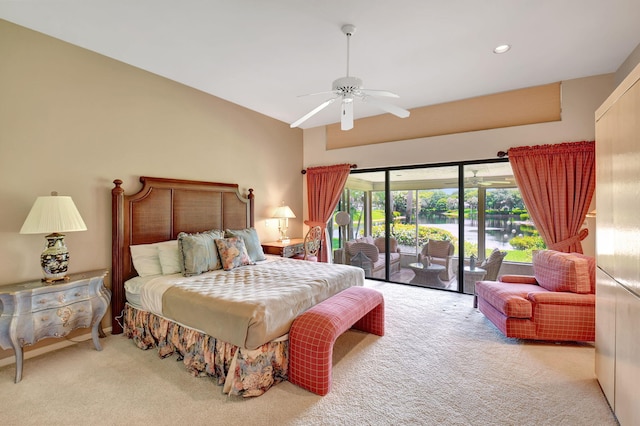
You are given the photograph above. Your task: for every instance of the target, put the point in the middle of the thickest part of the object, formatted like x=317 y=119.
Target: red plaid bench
x=313 y=334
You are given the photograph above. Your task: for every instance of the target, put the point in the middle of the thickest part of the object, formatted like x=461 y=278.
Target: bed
x=229 y=322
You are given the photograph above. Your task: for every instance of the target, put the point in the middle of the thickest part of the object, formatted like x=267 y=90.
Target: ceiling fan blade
x=346 y=120
x=313 y=112
x=372 y=92
x=390 y=108
x=326 y=92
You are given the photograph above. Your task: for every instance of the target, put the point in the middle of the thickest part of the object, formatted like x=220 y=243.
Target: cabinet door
x=605 y=334
x=627 y=374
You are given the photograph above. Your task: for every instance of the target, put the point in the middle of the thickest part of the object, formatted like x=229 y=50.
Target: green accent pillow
x=251 y=242
x=198 y=252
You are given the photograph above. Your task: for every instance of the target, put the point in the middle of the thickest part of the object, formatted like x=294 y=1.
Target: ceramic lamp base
x=55 y=258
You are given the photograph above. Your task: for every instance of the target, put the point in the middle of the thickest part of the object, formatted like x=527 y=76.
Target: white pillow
x=169 y=257
x=146 y=259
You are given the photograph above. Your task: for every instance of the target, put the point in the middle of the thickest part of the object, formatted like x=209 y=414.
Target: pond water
x=499 y=229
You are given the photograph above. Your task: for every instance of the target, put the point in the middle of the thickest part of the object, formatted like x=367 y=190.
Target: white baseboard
x=63 y=343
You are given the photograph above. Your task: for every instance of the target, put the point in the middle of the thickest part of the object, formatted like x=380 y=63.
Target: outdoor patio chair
x=492 y=264
x=440 y=253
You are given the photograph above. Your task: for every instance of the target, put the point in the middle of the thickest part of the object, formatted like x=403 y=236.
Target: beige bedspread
x=252 y=305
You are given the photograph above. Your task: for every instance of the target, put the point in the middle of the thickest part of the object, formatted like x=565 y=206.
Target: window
x=475 y=206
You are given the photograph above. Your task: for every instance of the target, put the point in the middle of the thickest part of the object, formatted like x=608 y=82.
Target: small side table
x=284 y=248
x=427 y=274
x=470 y=278
x=34 y=310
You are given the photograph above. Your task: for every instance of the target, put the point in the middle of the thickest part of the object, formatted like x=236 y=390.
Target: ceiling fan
x=476 y=180
x=349 y=88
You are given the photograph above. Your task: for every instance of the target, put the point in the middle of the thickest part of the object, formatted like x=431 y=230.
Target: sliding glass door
x=424 y=209
x=436 y=226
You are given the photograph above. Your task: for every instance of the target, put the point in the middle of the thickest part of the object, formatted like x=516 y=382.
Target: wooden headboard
x=159 y=212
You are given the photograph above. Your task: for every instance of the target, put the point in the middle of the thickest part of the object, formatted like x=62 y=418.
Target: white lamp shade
x=284 y=212
x=53 y=214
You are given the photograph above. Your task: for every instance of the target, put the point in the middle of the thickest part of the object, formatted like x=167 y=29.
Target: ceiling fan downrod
x=348 y=30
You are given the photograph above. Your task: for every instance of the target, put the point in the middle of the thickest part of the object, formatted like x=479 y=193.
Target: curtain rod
x=353 y=166
x=502 y=154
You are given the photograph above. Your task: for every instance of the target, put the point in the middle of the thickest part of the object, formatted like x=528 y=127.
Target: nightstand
x=285 y=249
x=34 y=310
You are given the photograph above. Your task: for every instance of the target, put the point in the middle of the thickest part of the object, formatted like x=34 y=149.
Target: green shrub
x=470 y=249
x=405 y=234
x=527 y=243
x=524 y=216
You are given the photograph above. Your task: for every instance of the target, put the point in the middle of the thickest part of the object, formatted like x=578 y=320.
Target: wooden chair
x=311 y=245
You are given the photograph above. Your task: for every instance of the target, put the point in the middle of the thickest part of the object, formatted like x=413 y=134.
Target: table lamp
x=52 y=215
x=283 y=213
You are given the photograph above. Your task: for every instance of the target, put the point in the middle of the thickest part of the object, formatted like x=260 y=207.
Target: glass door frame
x=461 y=165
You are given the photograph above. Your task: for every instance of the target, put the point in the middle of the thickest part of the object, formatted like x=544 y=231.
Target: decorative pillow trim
x=198 y=252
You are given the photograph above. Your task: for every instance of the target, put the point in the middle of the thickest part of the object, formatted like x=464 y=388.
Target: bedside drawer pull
x=42 y=301
x=61 y=298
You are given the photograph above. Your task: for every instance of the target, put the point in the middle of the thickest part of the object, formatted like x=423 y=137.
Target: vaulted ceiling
x=263 y=54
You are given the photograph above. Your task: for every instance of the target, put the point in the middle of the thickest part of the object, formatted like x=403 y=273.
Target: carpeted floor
x=440 y=362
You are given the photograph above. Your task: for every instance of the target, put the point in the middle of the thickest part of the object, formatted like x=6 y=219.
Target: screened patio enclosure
x=475 y=207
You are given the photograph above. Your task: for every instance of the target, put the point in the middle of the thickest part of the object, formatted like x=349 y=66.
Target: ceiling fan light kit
x=349 y=88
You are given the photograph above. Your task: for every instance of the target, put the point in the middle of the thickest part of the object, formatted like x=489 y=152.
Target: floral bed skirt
x=240 y=371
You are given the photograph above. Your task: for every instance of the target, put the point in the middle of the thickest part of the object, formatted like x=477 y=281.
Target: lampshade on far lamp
x=53 y=215
x=284 y=213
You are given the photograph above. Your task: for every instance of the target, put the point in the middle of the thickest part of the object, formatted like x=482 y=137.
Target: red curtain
x=324 y=188
x=557 y=184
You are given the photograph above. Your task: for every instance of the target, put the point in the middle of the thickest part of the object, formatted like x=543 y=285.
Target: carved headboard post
x=251 y=202
x=117 y=247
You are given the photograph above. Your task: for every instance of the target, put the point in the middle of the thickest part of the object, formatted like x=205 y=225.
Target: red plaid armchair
x=557 y=303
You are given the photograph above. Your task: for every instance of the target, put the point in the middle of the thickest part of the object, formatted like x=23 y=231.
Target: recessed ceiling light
x=502 y=48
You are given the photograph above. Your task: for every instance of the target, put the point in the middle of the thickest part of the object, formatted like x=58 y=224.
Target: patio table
x=427 y=275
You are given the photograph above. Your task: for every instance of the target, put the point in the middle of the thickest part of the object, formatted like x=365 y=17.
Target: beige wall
x=73 y=121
